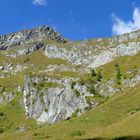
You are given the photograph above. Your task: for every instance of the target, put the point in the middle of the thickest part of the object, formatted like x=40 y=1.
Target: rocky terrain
x=26 y=36
x=97 y=55
x=55 y=79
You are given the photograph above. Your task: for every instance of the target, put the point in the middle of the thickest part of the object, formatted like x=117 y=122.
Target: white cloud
x=40 y=2
x=121 y=27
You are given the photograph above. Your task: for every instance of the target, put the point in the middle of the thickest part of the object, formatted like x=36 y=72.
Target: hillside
x=85 y=89
x=116 y=118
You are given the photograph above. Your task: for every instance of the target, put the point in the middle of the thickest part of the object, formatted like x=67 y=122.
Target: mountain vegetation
x=55 y=89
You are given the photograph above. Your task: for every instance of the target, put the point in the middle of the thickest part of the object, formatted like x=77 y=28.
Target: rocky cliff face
x=93 y=56
x=26 y=36
x=55 y=103
x=68 y=97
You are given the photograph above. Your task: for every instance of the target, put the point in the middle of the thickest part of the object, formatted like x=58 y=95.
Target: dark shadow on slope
x=128 y=138
x=119 y=138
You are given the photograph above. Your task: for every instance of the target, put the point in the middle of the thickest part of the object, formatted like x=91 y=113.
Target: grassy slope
x=39 y=61
x=117 y=117
x=126 y=63
x=112 y=119
x=13 y=116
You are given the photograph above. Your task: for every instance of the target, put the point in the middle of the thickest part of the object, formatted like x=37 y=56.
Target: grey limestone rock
x=26 y=36
x=54 y=104
x=92 y=58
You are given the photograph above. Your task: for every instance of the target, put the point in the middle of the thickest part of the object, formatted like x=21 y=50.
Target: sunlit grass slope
x=119 y=116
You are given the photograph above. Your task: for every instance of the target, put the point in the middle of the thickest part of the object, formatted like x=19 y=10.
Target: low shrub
x=77 y=93
x=77 y=133
x=1 y=130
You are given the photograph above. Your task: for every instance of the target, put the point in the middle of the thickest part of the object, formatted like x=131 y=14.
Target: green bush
x=77 y=93
x=51 y=84
x=92 y=90
x=73 y=84
x=124 y=77
x=41 y=94
x=46 y=110
x=39 y=86
x=118 y=74
x=81 y=82
x=27 y=59
x=1 y=130
x=99 y=76
x=1 y=114
x=34 y=84
x=42 y=84
x=77 y=133
x=93 y=73
x=2 y=89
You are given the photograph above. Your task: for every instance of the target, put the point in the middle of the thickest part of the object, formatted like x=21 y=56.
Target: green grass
x=51 y=85
x=13 y=116
x=66 y=74
x=126 y=63
x=111 y=119
x=2 y=58
x=116 y=117
x=12 y=83
x=39 y=59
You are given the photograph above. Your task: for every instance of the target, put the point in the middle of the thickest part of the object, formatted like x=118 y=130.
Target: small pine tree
x=93 y=73
x=118 y=74
x=81 y=82
x=92 y=90
x=73 y=84
x=77 y=93
x=116 y=65
x=27 y=59
x=99 y=76
x=124 y=77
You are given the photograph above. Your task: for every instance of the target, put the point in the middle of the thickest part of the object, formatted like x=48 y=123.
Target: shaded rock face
x=26 y=36
x=29 y=49
x=53 y=104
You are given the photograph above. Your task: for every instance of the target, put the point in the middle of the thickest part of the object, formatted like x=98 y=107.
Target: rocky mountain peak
x=27 y=36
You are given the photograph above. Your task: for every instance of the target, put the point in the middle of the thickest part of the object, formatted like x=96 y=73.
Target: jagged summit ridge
x=27 y=36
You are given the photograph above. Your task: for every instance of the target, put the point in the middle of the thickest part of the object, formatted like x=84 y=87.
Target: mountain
x=85 y=89
x=26 y=36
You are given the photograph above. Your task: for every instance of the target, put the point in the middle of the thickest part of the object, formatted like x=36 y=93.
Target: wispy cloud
x=121 y=27
x=40 y=2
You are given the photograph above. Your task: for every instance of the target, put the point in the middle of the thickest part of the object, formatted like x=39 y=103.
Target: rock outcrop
x=55 y=103
x=29 y=49
x=89 y=56
x=63 y=100
x=9 y=69
x=26 y=36
x=6 y=96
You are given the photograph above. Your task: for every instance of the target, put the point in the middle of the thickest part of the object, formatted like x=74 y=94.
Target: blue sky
x=74 y=19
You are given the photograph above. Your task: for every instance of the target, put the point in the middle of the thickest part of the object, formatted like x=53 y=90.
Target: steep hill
x=85 y=89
